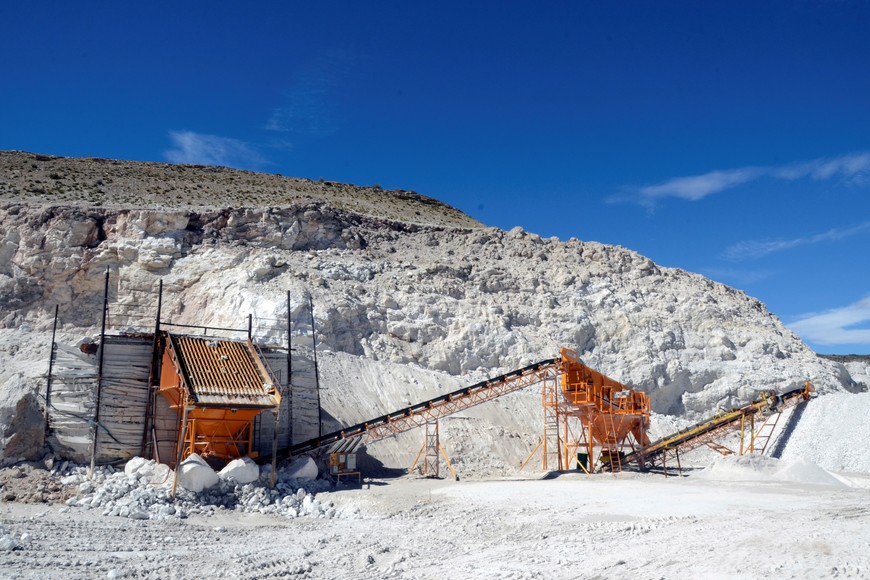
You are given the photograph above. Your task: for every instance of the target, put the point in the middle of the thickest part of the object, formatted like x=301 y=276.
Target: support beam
x=52 y=352
x=96 y=430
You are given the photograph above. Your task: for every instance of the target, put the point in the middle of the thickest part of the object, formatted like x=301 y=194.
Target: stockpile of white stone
x=143 y=490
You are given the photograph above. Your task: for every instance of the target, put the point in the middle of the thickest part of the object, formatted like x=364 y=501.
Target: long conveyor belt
x=416 y=415
x=694 y=436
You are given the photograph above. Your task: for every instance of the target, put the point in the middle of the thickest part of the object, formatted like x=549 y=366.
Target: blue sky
x=725 y=138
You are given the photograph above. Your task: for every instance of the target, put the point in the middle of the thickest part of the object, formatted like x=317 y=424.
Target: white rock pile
x=143 y=490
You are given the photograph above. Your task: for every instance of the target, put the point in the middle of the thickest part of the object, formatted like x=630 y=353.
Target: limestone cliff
x=396 y=279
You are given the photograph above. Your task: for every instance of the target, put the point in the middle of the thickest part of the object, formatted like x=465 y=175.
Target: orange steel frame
x=591 y=411
x=220 y=431
x=611 y=416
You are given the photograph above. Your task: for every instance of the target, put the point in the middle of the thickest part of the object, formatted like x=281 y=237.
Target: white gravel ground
x=738 y=519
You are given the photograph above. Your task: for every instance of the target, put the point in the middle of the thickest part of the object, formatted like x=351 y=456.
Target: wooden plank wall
x=73 y=389
x=306 y=407
x=264 y=424
x=126 y=364
x=167 y=423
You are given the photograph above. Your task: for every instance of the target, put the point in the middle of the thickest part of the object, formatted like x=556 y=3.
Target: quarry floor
x=726 y=524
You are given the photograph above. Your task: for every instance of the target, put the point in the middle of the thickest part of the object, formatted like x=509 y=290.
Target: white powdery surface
x=769 y=469
x=833 y=432
x=605 y=526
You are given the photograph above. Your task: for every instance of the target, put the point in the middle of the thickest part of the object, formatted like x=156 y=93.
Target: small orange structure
x=611 y=416
x=218 y=387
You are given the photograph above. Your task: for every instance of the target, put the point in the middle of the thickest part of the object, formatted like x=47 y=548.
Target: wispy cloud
x=836 y=326
x=308 y=104
x=752 y=249
x=303 y=112
x=698 y=187
x=734 y=277
x=854 y=168
x=200 y=149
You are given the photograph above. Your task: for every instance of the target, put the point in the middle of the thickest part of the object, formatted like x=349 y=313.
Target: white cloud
x=751 y=249
x=833 y=326
x=200 y=149
x=854 y=168
x=699 y=186
x=849 y=166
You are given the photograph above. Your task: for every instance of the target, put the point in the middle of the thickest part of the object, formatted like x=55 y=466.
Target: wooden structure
x=72 y=399
x=217 y=387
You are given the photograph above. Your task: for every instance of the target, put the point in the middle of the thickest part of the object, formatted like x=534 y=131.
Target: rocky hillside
x=109 y=183
x=396 y=279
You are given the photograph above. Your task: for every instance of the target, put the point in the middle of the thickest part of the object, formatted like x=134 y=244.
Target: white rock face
x=453 y=304
x=860 y=373
x=8 y=543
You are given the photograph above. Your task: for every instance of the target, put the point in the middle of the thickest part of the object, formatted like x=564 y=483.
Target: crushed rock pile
x=31 y=483
x=143 y=491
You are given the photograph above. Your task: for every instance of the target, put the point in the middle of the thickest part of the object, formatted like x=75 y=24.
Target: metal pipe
x=289 y=372
x=275 y=447
x=48 y=380
x=100 y=375
x=316 y=371
x=181 y=444
x=153 y=374
x=204 y=328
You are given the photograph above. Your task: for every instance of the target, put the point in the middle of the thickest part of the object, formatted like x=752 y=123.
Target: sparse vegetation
x=113 y=183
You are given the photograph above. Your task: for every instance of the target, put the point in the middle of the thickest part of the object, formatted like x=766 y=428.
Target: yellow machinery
x=590 y=412
x=767 y=410
x=217 y=387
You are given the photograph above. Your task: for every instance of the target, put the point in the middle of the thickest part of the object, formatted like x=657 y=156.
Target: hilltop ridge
x=92 y=182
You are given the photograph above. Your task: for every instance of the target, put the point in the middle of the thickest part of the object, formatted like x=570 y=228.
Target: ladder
x=551 y=455
x=762 y=437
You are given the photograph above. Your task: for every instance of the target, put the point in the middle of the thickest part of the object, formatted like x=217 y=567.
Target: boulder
x=195 y=474
x=302 y=469
x=241 y=471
